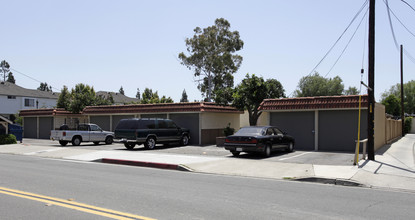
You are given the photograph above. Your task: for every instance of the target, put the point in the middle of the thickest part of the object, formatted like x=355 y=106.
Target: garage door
x=190 y=121
x=45 y=126
x=30 y=127
x=300 y=125
x=338 y=129
x=101 y=121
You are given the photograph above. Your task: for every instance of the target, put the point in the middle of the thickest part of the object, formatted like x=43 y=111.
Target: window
x=11 y=97
x=29 y=102
x=171 y=124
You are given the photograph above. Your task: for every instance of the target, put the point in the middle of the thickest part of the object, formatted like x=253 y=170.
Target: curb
x=341 y=182
x=146 y=164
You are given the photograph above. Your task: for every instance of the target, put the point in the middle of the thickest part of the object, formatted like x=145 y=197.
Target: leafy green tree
x=392 y=105
x=81 y=96
x=351 y=91
x=101 y=100
x=408 y=95
x=250 y=93
x=166 y=100
x=10 y=78
x=45 y=87
x=316 y=85
x=184 y=96
x=212 y=57
x=64 y=99
x=122 y=91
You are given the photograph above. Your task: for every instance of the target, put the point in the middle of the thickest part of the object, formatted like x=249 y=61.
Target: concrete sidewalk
x=394 y=167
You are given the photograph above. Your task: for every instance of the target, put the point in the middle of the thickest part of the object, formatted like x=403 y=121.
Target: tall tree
x=5 y=69
x=249 y=94
x=150 y=97
x=316 y=85
x=212 y=57
x=138 y=95
x=10 y=78
x=392 y=105
x=408 y=95
x=165 y=99
x=184 y=96
x=81 y=96
x=64 y=99
x=122 y=91
x=45 y=87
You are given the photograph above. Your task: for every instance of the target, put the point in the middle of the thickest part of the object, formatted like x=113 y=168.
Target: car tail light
x=252 y=141
x=64 y=133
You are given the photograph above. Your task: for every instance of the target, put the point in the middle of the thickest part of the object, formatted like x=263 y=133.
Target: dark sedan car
x=264 y=139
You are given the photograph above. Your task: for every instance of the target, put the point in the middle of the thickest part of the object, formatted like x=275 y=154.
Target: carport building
x=323 y=123
x=206 y=121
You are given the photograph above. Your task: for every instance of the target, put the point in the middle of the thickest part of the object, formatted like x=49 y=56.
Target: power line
x=347 y=45
x=14 y=70
x=389 y=10
x=331 y=48
x=408 y=4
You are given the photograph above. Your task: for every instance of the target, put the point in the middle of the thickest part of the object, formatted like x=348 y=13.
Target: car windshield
x=250 y=131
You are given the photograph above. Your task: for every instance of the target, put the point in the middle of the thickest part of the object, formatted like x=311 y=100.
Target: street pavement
x=393 y=167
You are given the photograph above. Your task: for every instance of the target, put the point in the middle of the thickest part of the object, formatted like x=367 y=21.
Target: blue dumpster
x=17 y=131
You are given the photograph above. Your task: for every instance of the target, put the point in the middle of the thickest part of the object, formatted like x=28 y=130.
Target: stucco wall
x=380 y=126
x=13 y=106
x=219 y=120
x=263 y=119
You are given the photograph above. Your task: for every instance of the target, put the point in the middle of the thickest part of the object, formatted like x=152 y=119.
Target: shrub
x=407 y=125
x=228 y=130
x=7 y=139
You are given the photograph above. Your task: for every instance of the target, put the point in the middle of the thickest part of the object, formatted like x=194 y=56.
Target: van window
x=146 y=124
x=162 y=124
x=127 y=124
x=171 y=124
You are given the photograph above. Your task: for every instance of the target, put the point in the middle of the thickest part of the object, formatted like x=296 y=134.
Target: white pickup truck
x=84 y=133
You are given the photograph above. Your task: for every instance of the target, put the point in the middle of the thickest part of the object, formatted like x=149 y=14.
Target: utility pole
x=371 y=79
x=402 y=110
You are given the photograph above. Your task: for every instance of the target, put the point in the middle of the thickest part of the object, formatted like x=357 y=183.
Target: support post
x=371 y=82
x=402 y=95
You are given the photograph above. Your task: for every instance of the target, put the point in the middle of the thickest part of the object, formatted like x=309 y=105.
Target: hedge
x=7 y=139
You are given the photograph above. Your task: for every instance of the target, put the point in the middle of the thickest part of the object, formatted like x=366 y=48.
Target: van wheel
x=185 y=140
x=150 y=143
x=76 y=141
x=109 y=140
x=63 y=143
x=129 y=146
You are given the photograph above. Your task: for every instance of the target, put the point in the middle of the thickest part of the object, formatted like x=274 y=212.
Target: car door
x=281 y=139
x=96 y=133
x=271 y=137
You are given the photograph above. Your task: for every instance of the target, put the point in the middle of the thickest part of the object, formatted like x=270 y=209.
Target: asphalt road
x=302 y=157
x=163 y=194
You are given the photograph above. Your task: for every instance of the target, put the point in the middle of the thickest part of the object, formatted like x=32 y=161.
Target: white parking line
x=295 y=156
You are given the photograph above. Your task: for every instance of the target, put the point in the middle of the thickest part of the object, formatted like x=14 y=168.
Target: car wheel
x=267 y=151
x=96 y=142
x=63 y=143
x=129 y=146
x=76 y=141
x=109 y=140
x=185 y=140
x=235 y=153
x=290 y=147
x=150 y=143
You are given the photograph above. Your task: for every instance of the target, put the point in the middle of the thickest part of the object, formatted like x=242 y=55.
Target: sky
x=135 y=44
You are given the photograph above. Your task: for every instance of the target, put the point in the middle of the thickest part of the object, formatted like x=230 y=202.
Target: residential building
x=14 y=98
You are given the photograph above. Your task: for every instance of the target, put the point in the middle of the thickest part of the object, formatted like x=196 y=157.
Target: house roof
x=46 y=112
x=10 y=89
x=161 y=107
x=323 y=102
x=118 y=97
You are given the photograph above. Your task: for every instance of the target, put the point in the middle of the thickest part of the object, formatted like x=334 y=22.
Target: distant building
x=119 y=99
x=14 y=98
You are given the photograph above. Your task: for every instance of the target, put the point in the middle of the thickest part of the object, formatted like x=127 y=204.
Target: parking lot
x=301 y=157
